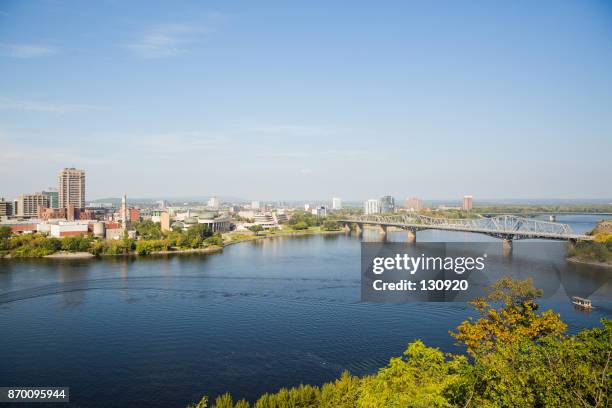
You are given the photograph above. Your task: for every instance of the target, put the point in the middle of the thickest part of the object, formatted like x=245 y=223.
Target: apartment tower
x=71 y=188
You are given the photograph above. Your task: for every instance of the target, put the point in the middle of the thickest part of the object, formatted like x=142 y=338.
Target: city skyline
x=437 y=101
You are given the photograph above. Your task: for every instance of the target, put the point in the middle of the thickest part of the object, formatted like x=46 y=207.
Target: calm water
x=162 y=331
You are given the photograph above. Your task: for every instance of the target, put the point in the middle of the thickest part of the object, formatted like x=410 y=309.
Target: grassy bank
x=598 y=251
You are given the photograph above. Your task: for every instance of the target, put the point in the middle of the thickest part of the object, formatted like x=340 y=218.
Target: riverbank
x=44 y=250
x=605 y=264
x=597 y=252
x=236 y=237
x=70 y=255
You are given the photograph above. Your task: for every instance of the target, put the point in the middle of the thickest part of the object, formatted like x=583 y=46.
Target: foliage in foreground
x=519 y=357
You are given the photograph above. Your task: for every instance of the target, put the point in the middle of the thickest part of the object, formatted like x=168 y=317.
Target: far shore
x=70 y=255
x=242 y=237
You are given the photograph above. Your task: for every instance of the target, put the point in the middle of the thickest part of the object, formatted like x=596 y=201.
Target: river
x=162 y=331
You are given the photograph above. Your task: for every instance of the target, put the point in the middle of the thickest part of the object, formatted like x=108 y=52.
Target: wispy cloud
x=26 y=50
x=38 y=106
x=165 y=41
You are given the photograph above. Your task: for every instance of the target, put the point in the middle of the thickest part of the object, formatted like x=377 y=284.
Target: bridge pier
x=383 y=231
x=346 y=227
x=411 y=236
x=507 y=247
x=359 y=229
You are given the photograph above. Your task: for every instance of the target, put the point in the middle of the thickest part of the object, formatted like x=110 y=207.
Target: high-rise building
x=124 y=211
x=336 y=203
x=213 y=203
x=387 y=204
x=371 y=206
x=414 y=204
x=134 y=214
x=27 y=204
x=53 y=197
x=71 y=188
x=6 y=208
x=164 y=219
x=254 y=205
x=467 y=203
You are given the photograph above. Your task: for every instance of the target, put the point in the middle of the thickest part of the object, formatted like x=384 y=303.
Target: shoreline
x=63 y=255
x=292 y=234
x=576 y=260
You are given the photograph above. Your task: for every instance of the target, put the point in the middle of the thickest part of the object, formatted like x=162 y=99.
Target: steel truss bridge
x=506 y=227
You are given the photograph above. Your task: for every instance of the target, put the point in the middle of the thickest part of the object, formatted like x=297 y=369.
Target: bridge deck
x=505 y=227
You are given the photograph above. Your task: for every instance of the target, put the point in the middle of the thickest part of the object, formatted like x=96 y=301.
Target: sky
x=308 y=100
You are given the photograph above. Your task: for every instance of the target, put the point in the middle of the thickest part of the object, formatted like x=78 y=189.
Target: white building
x=371 y=206
x=64 y=229
x=336 y=203
x=306 y=207
x=217 y=224
x=265 y=220
x=280 y=217
x=246 y=214
x=319 y=211
x=254 y=205
x=213 y=203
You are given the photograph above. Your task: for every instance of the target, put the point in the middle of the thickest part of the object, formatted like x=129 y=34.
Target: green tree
x=256 y=229
x=148 y=229
x=330 y=225
x=508 y=315
x=5 y=232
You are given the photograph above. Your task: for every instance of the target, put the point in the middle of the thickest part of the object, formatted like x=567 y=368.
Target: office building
x=27 y=204
x=467 y=203
x=319 y=211
x=371 y=206
x=6 y=208
x=254 y=205
x=71 y=188
x=414 y=204
x=336 y=203
x=387 y=204
x=53 y=197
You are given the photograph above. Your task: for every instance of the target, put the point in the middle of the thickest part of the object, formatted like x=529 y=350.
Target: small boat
x=582 y=303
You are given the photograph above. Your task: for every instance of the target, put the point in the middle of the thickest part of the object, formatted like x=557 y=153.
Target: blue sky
x=308 y=100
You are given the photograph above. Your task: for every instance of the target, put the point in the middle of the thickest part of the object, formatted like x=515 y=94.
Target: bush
x=214 y=240
x=300 y=226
